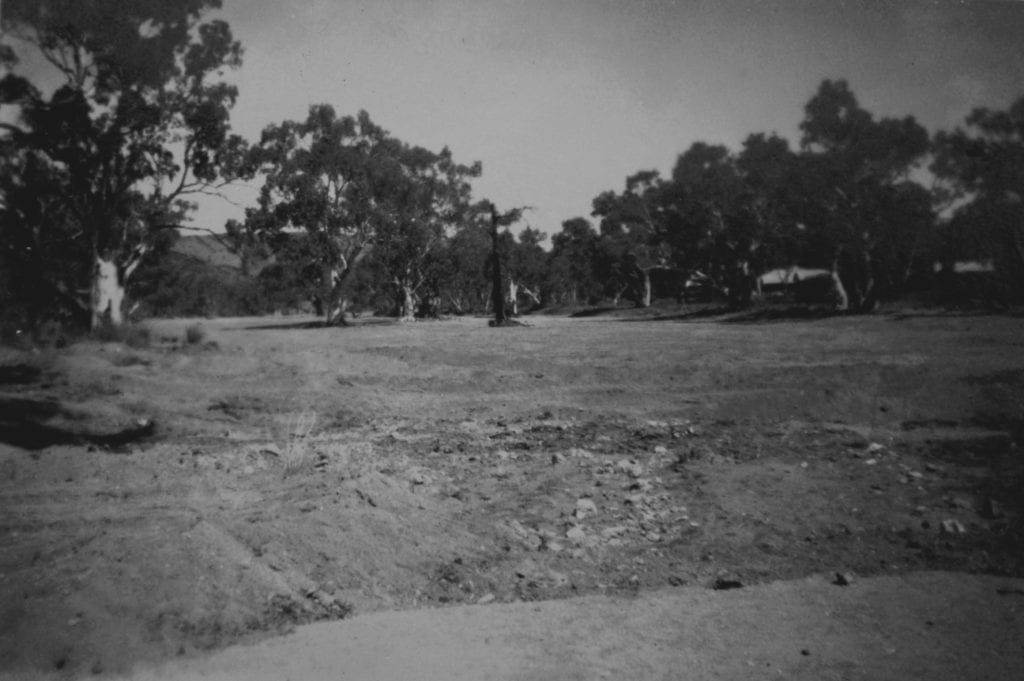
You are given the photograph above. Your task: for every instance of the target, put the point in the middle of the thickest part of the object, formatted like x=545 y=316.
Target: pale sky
x=561 y=99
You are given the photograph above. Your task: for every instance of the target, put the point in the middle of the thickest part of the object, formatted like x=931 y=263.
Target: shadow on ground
x=23 y=423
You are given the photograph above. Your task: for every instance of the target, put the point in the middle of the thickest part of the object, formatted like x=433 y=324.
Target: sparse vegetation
x=129 y=359
x=136 y=336
x=430 y=464
x=298 y=453
x=195 y=334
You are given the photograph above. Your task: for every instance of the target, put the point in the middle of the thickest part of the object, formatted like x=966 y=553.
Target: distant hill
x=207 y=249
x=214 y=252
x=199 y=276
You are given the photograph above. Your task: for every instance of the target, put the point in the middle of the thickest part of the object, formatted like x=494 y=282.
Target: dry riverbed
x=284 y=474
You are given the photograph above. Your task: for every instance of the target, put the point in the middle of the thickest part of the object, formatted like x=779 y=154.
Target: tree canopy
x=101 y=157
x=357 y=191
x=137 y=122
x=983 y=166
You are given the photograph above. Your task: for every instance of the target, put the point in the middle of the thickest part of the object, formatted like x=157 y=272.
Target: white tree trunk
x=513 y=297
x=842 y=299
x=107 y=295
x=407 y=309
x=617 y=296
x=532 y=295
x=645 y=301
x=333 y=304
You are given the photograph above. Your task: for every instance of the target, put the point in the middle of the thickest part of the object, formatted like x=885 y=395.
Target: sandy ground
x=899 y=628
x=438 y=475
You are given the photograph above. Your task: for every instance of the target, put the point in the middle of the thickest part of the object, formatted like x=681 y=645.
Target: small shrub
x=194 y=334
x=137 y=336
x=107 y=332
x=132 y=335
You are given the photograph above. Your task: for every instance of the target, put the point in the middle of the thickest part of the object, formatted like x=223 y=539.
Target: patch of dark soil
x=239 y=406
x=687 y=314
x=1004 y=377
x=920 y=424
x=23 y=424
x=22 y=409
x=593 y=312
x=783 y=314
x=505 y=322
x=20 y=374
x=291 y=326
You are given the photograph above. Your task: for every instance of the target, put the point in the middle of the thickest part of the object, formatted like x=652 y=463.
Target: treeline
x=97 y=176
x=849 y=202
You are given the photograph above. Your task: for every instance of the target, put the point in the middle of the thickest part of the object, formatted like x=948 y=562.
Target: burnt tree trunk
x=497 y=295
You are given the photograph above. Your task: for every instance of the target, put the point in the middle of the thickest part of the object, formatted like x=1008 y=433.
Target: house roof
x=790 y=275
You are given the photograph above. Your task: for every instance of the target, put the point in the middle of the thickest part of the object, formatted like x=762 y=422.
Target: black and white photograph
x=533 y=340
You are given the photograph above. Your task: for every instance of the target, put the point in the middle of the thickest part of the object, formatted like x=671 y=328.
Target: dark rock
x=843 y=578
x=726 y=583
x=991 y=508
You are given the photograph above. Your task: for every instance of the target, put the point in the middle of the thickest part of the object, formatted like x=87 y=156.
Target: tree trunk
x=869 y=297
x=513 y=297
x=842 y=301
x=407 y=302
x=645 y=297
x=107 y=295
x=334 y=306
x=328 y=294
x=743 y=287
x=617 y=296
x=532 y=295
x=497 y=297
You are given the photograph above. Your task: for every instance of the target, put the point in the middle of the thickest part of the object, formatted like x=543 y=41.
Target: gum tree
x=983 y=166
x=356 y=191
x=319 y=177
x=131 y=119
x=633 y=228
x=422 y=196
x=855 y=177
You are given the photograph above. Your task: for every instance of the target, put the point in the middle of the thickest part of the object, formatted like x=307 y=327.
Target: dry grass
x=298 y=453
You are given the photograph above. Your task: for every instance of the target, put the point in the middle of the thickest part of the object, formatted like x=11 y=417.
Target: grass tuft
x=194 y=334
x=298 y=450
